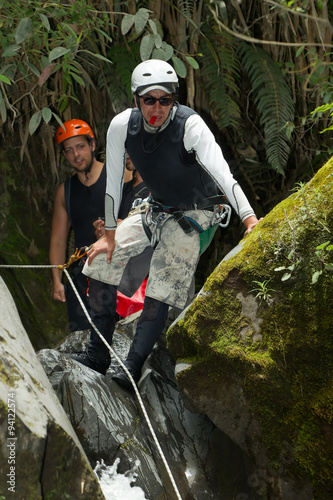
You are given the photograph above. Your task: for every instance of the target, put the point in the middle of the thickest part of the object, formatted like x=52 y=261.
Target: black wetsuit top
x=173 y=175
x=84 y=204
x=131 y=193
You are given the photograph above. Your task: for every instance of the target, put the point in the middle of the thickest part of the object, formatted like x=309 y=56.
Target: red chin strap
x=152 y=120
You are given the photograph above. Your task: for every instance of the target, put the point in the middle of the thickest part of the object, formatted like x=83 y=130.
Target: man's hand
x=250 y=223
x=104 y=245
x=59 y=292
x=99 y=225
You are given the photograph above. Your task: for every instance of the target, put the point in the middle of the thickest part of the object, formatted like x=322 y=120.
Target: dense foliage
x=255 y=70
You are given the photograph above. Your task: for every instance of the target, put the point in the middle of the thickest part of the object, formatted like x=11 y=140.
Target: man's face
x=129 y=165
x=155 y=113
x=78 y=151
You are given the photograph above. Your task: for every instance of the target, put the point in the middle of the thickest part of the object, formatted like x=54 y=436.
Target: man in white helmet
x=183 y=167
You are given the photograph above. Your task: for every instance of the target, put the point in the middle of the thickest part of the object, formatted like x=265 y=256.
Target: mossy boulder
x=258 y=344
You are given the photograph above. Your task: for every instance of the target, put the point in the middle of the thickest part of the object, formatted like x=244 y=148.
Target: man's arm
x=58 y=242
x=199 y=138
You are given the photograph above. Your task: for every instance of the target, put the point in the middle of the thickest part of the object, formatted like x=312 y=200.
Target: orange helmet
x=73 y=128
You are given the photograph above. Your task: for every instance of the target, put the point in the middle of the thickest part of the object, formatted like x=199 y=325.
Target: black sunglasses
x=149 y=100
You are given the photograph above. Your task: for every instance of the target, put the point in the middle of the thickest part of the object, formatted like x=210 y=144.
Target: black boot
x=134 y=364
x=84 y=359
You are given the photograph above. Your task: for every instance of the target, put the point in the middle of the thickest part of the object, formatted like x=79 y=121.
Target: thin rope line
x=28 y=266
x=121 y=364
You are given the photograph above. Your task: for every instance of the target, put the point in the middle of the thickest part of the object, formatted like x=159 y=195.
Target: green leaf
x=164 y=53
x=11 y=50
x=33 y=68
x=323 y=245
x=99 y=56
x=141 y=18
x=329 y=267
x=4 y=79
x=286 y=277
x=153 y=26
x=35 y=121
x=58 y=120
x=45 y=21
x=57 y=52
x=127 y=23
x=78 y=79
x=300 y=50
x=103 y=33
x=158 y=40
x=192 y=62
x=315 y=276
x=23 y=30
x=179 y=66
x=3 y=109
x=47 y=114
x=146 y=47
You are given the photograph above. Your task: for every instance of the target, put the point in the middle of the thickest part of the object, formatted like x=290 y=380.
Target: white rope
x=121 y=364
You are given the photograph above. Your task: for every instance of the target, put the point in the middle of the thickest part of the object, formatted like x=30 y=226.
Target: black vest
x=130 y=194
x=84 y=204
x=172 y=174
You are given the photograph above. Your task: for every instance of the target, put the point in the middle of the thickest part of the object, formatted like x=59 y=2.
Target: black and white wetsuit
x=203 y=167
x=180 y=165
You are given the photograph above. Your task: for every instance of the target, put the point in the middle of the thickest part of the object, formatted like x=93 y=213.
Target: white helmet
x=154 y=74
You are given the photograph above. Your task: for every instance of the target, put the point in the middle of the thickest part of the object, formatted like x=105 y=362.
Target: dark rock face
x=61 y=432
x=40 y=454
x=110 y=423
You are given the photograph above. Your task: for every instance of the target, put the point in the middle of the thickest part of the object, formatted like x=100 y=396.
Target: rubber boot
x=83 y=358
x=133 y=363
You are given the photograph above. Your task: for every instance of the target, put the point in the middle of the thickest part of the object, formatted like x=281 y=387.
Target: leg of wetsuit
x=103 y=303
x=150 y=325
x=149 y=328
x=76 y=316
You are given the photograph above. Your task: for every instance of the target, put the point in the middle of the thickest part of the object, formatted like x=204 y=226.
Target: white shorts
x=170 y=266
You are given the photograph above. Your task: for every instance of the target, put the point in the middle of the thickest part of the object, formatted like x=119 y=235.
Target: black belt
x=206 y=203
x=201 y=205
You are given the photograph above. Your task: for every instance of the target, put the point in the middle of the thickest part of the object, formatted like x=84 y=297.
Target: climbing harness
x=153 y=213
x=77 y=255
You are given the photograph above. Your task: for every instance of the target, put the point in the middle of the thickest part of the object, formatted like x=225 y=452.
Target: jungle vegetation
x=258 y=71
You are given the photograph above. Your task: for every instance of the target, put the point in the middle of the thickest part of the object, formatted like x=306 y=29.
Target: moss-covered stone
x=284 y=355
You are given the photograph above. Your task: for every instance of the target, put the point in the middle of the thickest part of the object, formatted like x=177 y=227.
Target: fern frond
x=274 y=102
x=117 y=76
x=187 y=7
x=219 y=80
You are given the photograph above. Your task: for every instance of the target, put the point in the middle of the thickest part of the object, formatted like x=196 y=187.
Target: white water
x=118 y=486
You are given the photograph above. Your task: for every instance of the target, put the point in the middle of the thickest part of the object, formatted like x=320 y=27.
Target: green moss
x=286 y=364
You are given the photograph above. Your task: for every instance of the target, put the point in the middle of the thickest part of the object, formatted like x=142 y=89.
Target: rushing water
x=117 y=486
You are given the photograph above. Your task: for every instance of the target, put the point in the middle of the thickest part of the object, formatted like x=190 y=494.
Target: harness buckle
x=222 y=215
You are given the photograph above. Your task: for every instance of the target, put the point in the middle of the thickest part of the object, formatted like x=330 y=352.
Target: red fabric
x=130 y=305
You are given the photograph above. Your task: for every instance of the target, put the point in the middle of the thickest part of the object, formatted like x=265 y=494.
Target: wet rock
x=40 y=453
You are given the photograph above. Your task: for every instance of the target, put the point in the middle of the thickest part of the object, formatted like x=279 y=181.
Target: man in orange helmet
x=79 y=202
